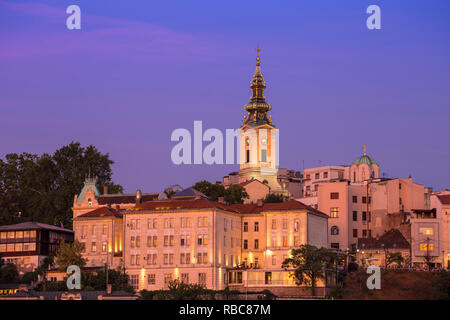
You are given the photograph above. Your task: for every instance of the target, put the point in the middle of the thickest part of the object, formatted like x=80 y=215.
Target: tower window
x=264 y=155
x=247 y=156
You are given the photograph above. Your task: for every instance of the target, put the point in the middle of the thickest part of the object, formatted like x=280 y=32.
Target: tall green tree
x=233 y=194
x=309 y=264
x=70 y=254
x=273 y=198
x=41 y=188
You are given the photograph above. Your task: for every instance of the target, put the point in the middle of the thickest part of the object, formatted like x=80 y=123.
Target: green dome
x=365 y=159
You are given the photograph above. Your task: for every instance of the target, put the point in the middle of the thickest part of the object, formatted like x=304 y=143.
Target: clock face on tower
x=263 y=141
x=247 y=141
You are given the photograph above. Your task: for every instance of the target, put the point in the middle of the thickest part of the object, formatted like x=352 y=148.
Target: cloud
x=99 y=35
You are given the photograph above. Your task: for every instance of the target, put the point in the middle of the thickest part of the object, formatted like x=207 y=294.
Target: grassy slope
x=395 y=285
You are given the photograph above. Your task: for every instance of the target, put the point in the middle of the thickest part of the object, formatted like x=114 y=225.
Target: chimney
x=259 y=203
x=108 y=289
x=105 y=189
x=138 y=196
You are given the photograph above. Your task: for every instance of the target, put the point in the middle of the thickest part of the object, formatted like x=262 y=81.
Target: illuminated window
x=296 y=225
x=138 y=241
x=104 y=246
x=93 y=247
x=426 y=231
x=423 y=247
x=285 y=241
x=334 y=212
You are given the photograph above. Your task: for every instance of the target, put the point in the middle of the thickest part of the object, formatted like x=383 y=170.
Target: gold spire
x=365 y=149
x=258 y=107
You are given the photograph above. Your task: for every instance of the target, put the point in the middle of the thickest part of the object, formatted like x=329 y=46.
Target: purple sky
x=137 y=70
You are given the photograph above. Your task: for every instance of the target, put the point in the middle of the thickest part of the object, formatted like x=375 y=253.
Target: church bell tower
x=259 y=137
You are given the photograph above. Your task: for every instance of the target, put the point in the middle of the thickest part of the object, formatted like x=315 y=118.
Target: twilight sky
x=137 y=70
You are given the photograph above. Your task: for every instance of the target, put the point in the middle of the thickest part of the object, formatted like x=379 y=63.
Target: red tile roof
x=277 y=206
x=444 y=199
x=243 y=184
x=181 y=204
x=238 y=208
x=102 y=212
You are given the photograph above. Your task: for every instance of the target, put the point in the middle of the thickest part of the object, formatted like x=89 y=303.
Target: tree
x=41 y=188
x=97 y=281
x=9 y=273
x=394 y=257
x=212 y=191
x=178 y=290
x=274 y=198
x=70 y=254
x=310 y=263
x=235 y=194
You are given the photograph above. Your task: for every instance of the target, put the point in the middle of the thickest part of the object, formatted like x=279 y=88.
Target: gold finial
x=258 y=50
x=365 y=149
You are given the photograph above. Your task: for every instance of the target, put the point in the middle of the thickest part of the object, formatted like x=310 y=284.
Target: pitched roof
x=181 y=204
x=189 y=192
x=89 y=183
x=125 y=198
x=444 y=199
x=32 y=226
x=392 y=239
x=290 y=205
x=243 y=184
x=102 y=212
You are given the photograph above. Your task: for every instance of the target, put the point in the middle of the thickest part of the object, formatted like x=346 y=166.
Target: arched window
x=334 y=230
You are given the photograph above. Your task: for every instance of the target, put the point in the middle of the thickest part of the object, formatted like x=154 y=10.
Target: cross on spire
x=365 y=149
x=258 y=50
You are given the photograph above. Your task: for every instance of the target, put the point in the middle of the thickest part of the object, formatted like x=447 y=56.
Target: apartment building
x=101 y=232
x=27 y=244
x=194 y=241
x=426 y=240
x=441 y=202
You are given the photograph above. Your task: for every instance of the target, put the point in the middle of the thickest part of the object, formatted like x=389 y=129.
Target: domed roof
x=365 y=159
